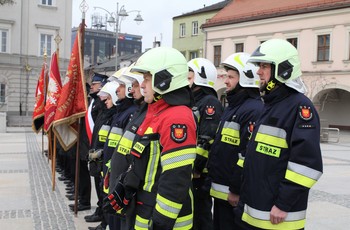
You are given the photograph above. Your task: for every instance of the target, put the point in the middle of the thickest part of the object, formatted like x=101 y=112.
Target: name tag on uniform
x=139 y=147
x=268 y=150
x=123 y=150
x=230 y=140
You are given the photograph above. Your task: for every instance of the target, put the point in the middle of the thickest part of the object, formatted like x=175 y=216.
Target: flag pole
x=83 y=7
x=45 y=86
x=57 y=40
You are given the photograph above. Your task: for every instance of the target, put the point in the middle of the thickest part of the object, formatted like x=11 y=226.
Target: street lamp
x=117 y=18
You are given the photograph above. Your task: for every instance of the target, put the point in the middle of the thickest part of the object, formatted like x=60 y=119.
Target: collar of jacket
x=153 y=110
x=157 y=107
x=278 y=94
x=123 y=104
x=203 y=91
x=236 y=98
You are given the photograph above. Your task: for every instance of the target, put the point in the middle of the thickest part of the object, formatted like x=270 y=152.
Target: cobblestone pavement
x=27 y=201
x=26 y=197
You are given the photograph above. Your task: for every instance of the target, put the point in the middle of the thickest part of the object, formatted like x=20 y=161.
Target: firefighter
x=120 y=158
x=283 y=160
x=124 y=110
x=164 y=148
x=208 y=110
x=244 y=107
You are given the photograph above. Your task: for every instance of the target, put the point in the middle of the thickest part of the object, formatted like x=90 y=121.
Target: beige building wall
x=190 y=43
x=328 y=82
x=21 y=63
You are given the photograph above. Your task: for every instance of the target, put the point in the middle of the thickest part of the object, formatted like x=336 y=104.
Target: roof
x=215 y=7
x=249 y=10
x=110 y=64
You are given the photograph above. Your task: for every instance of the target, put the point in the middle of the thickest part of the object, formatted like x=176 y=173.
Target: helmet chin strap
x=157 y=97
x=271 y=84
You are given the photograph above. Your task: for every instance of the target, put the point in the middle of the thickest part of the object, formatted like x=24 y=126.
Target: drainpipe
x=21 y=60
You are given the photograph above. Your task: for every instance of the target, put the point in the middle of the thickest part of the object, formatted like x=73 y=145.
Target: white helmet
x=248 y=76
x=110 y=88
x=132 y=76
x=205 y=73
x=121 y=77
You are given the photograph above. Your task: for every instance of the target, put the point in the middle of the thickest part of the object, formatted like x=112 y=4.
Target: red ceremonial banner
x=72 y=103
x=39 y=106
x=53 y=92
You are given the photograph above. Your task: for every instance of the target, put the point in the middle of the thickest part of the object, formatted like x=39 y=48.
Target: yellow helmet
x=168 y=68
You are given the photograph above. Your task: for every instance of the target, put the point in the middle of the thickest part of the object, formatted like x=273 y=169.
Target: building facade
x=188 y=37
x=99 y=44
x=28 y=29
x=320 y=30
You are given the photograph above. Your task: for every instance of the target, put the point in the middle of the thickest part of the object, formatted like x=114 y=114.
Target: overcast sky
x=157 y=16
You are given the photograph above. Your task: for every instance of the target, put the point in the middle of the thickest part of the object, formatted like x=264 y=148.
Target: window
x=46 y=43
x=217 y=55
x=2 y=93
x=182 y=30
x=102 y=50
x=193 y=54
x=3 y=40
x=293 y=41
x=239 y=47
x=47 y=2
x=195 y=28
x=323 y=47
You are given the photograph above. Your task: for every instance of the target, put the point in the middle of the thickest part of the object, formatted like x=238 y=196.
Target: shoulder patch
x=305 y=113
x=251 y=127
x=210 y=110
x=178 y=132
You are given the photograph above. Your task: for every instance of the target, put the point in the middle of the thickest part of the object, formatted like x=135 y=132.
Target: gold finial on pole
x=45 y=54
x=83 y=8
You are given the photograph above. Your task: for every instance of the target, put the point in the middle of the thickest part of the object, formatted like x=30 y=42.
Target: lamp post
x=117 y=18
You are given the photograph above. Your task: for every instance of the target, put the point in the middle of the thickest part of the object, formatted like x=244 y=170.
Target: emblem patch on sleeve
x=178 y=133
x=305 y=113
x=210 y=110
x=251 y=127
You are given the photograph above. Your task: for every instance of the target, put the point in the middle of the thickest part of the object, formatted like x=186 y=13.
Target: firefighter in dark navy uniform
x=283 y=159
x=227 y=152
x=125 y=107
x=164 y=149
x=120 y=160
x=208 y=110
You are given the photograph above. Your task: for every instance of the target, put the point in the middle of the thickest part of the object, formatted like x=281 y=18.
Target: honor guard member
x=208 y=110
x=97 y=81
x=227 y=152
x=164 y=148
x=283 y=159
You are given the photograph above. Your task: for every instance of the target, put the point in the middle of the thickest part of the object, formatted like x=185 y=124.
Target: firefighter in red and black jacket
x=283 y=159
x=208 y=110
x=164 y=148
x=228 y=150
